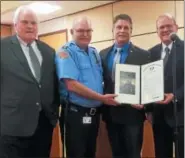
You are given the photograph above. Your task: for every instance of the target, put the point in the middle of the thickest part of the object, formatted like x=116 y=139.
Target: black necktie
x=35 y=62
x=167 y=53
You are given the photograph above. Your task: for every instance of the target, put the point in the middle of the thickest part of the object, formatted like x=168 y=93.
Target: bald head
x=81 y=20
x=82 y=31
x=26 y=24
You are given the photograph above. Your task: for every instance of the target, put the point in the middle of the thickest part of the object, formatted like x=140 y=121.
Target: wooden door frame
x=54 y=32
x=47 y=34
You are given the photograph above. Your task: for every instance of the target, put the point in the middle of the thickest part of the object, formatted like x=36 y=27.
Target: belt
x=78 y=108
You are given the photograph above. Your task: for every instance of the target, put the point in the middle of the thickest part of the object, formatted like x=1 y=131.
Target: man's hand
x=138 y=106
x=168 y=97
x=108 y=99
x=149 y=116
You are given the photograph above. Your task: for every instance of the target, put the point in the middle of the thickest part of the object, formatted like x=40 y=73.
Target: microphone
x=173 y=36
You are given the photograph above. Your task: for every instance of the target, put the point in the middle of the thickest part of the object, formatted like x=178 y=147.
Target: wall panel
x=181 y=33
x=146 y=41
x=143 y=13
x=101 y=45
x=101 y=19
x=180 y=13
x=53 y=25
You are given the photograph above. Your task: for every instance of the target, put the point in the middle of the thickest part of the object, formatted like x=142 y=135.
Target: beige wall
x=143 y=13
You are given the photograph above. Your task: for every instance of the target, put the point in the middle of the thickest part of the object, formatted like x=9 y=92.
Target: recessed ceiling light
x=44 y=8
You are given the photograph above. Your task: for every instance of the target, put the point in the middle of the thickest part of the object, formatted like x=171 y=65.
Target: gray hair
x=22 y=9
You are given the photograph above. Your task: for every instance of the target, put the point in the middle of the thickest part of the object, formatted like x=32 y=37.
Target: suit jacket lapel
x=170 y=63
x=105 y=56
x=156 y=55
x=130 y=55
x=42 y=50
x=18 y=52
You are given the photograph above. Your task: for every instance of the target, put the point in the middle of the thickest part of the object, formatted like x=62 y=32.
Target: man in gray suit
x=29 y=95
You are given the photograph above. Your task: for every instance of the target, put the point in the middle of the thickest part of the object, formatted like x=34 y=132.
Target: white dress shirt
x=26 y=53
x=163 y=53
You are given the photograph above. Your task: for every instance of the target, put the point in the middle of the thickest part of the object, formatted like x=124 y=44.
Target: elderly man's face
x=82 y=33
x=165 y=26
x=26 y=26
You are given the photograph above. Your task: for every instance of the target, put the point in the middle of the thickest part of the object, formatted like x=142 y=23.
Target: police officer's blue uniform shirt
x=124 y=54
x=74 y=63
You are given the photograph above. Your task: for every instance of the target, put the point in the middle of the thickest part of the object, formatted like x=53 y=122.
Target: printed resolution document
x=139 y=84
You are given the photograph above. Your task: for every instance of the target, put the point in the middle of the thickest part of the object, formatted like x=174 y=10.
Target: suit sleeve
x=56 y=91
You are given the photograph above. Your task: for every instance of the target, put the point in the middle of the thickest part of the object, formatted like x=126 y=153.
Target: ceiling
x=68 y=7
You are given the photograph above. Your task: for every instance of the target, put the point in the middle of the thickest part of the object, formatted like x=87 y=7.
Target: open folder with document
x=136 y=84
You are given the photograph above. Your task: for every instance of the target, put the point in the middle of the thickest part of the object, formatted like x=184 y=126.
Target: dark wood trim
x=9 y=25
x=54 y=32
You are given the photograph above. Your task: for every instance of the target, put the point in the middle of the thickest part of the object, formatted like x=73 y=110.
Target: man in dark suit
x=29 y=95
x=124 y=123
x=163 y=116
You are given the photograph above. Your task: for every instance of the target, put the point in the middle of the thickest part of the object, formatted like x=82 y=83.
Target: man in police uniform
x=80 y=74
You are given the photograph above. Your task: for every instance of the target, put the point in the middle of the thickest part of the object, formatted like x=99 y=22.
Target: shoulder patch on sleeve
x=63 y=55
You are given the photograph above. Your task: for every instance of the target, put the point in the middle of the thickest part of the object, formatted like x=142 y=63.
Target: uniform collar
x=79 y=49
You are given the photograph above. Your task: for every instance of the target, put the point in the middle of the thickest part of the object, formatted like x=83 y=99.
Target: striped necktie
x=167 y=54
x=116 y=61
x=35 y=63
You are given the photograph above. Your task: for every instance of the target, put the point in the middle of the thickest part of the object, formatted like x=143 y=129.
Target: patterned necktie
x=35 y=63
x=167 y=53
x=116 y=61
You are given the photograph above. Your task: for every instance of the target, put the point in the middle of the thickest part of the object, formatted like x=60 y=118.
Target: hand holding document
x=168 y=97
x=139 y=84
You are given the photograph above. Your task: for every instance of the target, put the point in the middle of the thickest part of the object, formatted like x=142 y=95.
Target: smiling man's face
x=165 y=26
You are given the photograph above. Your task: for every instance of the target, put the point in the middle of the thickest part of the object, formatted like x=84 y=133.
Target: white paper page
x=152 y=86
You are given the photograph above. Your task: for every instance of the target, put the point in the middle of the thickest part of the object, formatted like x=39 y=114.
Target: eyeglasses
x=81 y=31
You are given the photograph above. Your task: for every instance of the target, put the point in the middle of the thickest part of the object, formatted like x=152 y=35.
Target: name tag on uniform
x=87 y=120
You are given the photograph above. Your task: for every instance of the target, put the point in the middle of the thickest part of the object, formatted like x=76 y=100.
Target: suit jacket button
x=37 y=104
x=40 y=86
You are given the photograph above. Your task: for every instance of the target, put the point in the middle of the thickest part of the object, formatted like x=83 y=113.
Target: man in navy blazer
x=163 y=116
x=124 y=123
